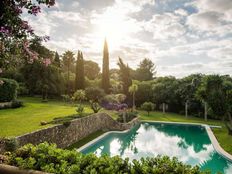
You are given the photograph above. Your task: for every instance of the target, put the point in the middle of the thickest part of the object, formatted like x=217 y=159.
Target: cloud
x=189 y=37
x=165 y=26
x=213 y=16
x=181 y=12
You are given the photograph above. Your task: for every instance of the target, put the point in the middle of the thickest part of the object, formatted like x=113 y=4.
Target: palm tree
x=133 y=89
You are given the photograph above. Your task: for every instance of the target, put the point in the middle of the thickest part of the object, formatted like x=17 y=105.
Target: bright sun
x=113 y=25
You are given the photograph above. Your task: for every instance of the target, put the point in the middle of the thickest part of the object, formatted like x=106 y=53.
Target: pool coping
x=210 y=133
x=100 y=137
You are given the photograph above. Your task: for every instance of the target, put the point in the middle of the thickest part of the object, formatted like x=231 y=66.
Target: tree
x=79 y=96
x=15 y=31
x=164 y=92
x=57 y=60
x=94 y=96
x=68 y=60
x=133 y=89
x=124 y=74
x=80 y=77
x=146 y=70
x=105 y=69
x=91 y=69
x=186 y=90
x=148 y=106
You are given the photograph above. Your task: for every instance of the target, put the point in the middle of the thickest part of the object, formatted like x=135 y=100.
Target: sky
x=180 y=36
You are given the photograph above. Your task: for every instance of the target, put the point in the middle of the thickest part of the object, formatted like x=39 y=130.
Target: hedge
x=8 y=90
x=48 y=158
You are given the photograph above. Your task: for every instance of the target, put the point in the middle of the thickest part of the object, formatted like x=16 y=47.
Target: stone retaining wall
x=78 y=129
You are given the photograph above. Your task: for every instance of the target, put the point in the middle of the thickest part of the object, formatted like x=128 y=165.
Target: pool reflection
x=189 y=144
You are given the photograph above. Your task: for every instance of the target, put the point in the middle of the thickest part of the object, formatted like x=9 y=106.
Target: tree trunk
x=206 y=111
x=164 y=107
x=186 y=109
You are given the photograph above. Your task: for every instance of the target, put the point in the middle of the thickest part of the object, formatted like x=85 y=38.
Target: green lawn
x=26 y=119
x=221 y=133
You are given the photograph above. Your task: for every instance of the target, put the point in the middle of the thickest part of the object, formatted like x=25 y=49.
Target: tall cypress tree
x=105 y=69
x=57 y=59
x=80 y=78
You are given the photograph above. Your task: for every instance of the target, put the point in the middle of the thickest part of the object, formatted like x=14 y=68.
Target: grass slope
x=14 y=122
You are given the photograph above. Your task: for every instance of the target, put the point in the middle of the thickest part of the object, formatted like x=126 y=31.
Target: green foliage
x=94 y=93
x=125 y=76
x=144 y=92
x=213 y=92
x=79 y=95
x=8 y=89
x=95 y=106
x=66 y=98
x=37 y=76
x=11 y=144
x=148 y=106
x=146 y=70
x=80 y=109
x=57 y=60
x=91 y=69
x=80 y=77
x=50 y=159
x=105 y=69
x=68 y=67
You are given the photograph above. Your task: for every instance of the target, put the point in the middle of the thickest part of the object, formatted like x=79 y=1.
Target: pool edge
x=100 y=137
x=210 y=133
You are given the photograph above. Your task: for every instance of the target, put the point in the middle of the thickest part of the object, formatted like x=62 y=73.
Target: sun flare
x=115 y=26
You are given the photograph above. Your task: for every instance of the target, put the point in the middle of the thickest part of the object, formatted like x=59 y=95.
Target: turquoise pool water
x=189 y=143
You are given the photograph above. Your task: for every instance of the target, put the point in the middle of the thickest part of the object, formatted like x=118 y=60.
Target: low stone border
x=6 y=169
x=212 y=137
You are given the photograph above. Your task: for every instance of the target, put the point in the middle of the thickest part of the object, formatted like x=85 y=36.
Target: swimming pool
x=189 y=143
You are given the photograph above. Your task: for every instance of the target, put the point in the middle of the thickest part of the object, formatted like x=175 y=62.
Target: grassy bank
x=26 y=119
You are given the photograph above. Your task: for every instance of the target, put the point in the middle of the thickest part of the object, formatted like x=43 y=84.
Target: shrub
x=50 y=159
x=66 y=98
x=8 y=90
x=11 y=144
x=80 y=109
x=94 y=93
x=148 y=106
x=95 y=106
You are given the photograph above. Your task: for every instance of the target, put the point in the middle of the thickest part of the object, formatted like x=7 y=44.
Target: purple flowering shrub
x=115 y=106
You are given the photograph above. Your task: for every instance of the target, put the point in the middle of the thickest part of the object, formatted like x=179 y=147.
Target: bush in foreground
x=49 y=158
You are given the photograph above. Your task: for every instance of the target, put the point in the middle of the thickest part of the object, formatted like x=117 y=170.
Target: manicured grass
x=221 y=134
x=14 y=122
x=86 y=140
